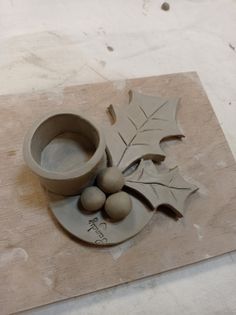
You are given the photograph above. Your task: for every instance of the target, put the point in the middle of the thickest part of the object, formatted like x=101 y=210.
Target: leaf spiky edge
x=148 y=187
x=113 y=135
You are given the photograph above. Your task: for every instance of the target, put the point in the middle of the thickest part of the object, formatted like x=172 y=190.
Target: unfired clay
x=160 y=188
x=139 y=129
x=92 y=198
x=94 y=228
x=110 y=180
x=66 y=151
x=118 y=205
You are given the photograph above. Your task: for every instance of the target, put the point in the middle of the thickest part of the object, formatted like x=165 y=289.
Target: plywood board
x=40 y=263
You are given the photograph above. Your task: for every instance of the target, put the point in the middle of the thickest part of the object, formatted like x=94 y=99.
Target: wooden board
x=40 y=263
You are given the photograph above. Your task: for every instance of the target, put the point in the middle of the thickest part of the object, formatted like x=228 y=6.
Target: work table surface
x=47 y=45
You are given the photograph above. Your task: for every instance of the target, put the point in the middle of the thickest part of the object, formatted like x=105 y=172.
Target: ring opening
x=64 y=142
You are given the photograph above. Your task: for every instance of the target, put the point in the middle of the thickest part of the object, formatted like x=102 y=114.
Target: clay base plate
x=40 y=263
x=93 y=228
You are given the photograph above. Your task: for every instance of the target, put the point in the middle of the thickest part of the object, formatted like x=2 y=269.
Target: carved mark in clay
x=96 y=228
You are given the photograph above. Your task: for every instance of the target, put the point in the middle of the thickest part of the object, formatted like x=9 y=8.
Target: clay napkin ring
x=66 y=151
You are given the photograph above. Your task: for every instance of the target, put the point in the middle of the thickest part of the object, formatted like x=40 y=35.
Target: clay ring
x=66 y=151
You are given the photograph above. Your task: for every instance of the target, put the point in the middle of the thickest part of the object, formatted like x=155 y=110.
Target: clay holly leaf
x=139 y=129
x=167 y=188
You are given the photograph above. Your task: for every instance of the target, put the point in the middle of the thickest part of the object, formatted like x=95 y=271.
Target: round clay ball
x=110 y=180
x=118 y=205
x=92 y=199
x=165 y=6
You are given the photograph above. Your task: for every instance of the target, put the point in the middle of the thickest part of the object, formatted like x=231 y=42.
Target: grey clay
x=66 y=151
x=92 y=199
x=139 y=128
x=93 y=227
x=165 y=6
x=110 y=180
x=118 y=205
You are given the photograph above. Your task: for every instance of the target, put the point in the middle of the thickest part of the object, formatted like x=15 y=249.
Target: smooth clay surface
x=118 y=205
x=95 y=228
x=110 y=180
x=92 y=199
x=66 y=151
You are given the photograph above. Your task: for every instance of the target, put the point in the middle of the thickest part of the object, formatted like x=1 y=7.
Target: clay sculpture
x=111 y=204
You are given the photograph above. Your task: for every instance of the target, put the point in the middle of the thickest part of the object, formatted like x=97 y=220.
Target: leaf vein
x=151 y=129
x=133 y=123
x=173 y=195
x=143 y=111
x=122 y=138
x=137 y=131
